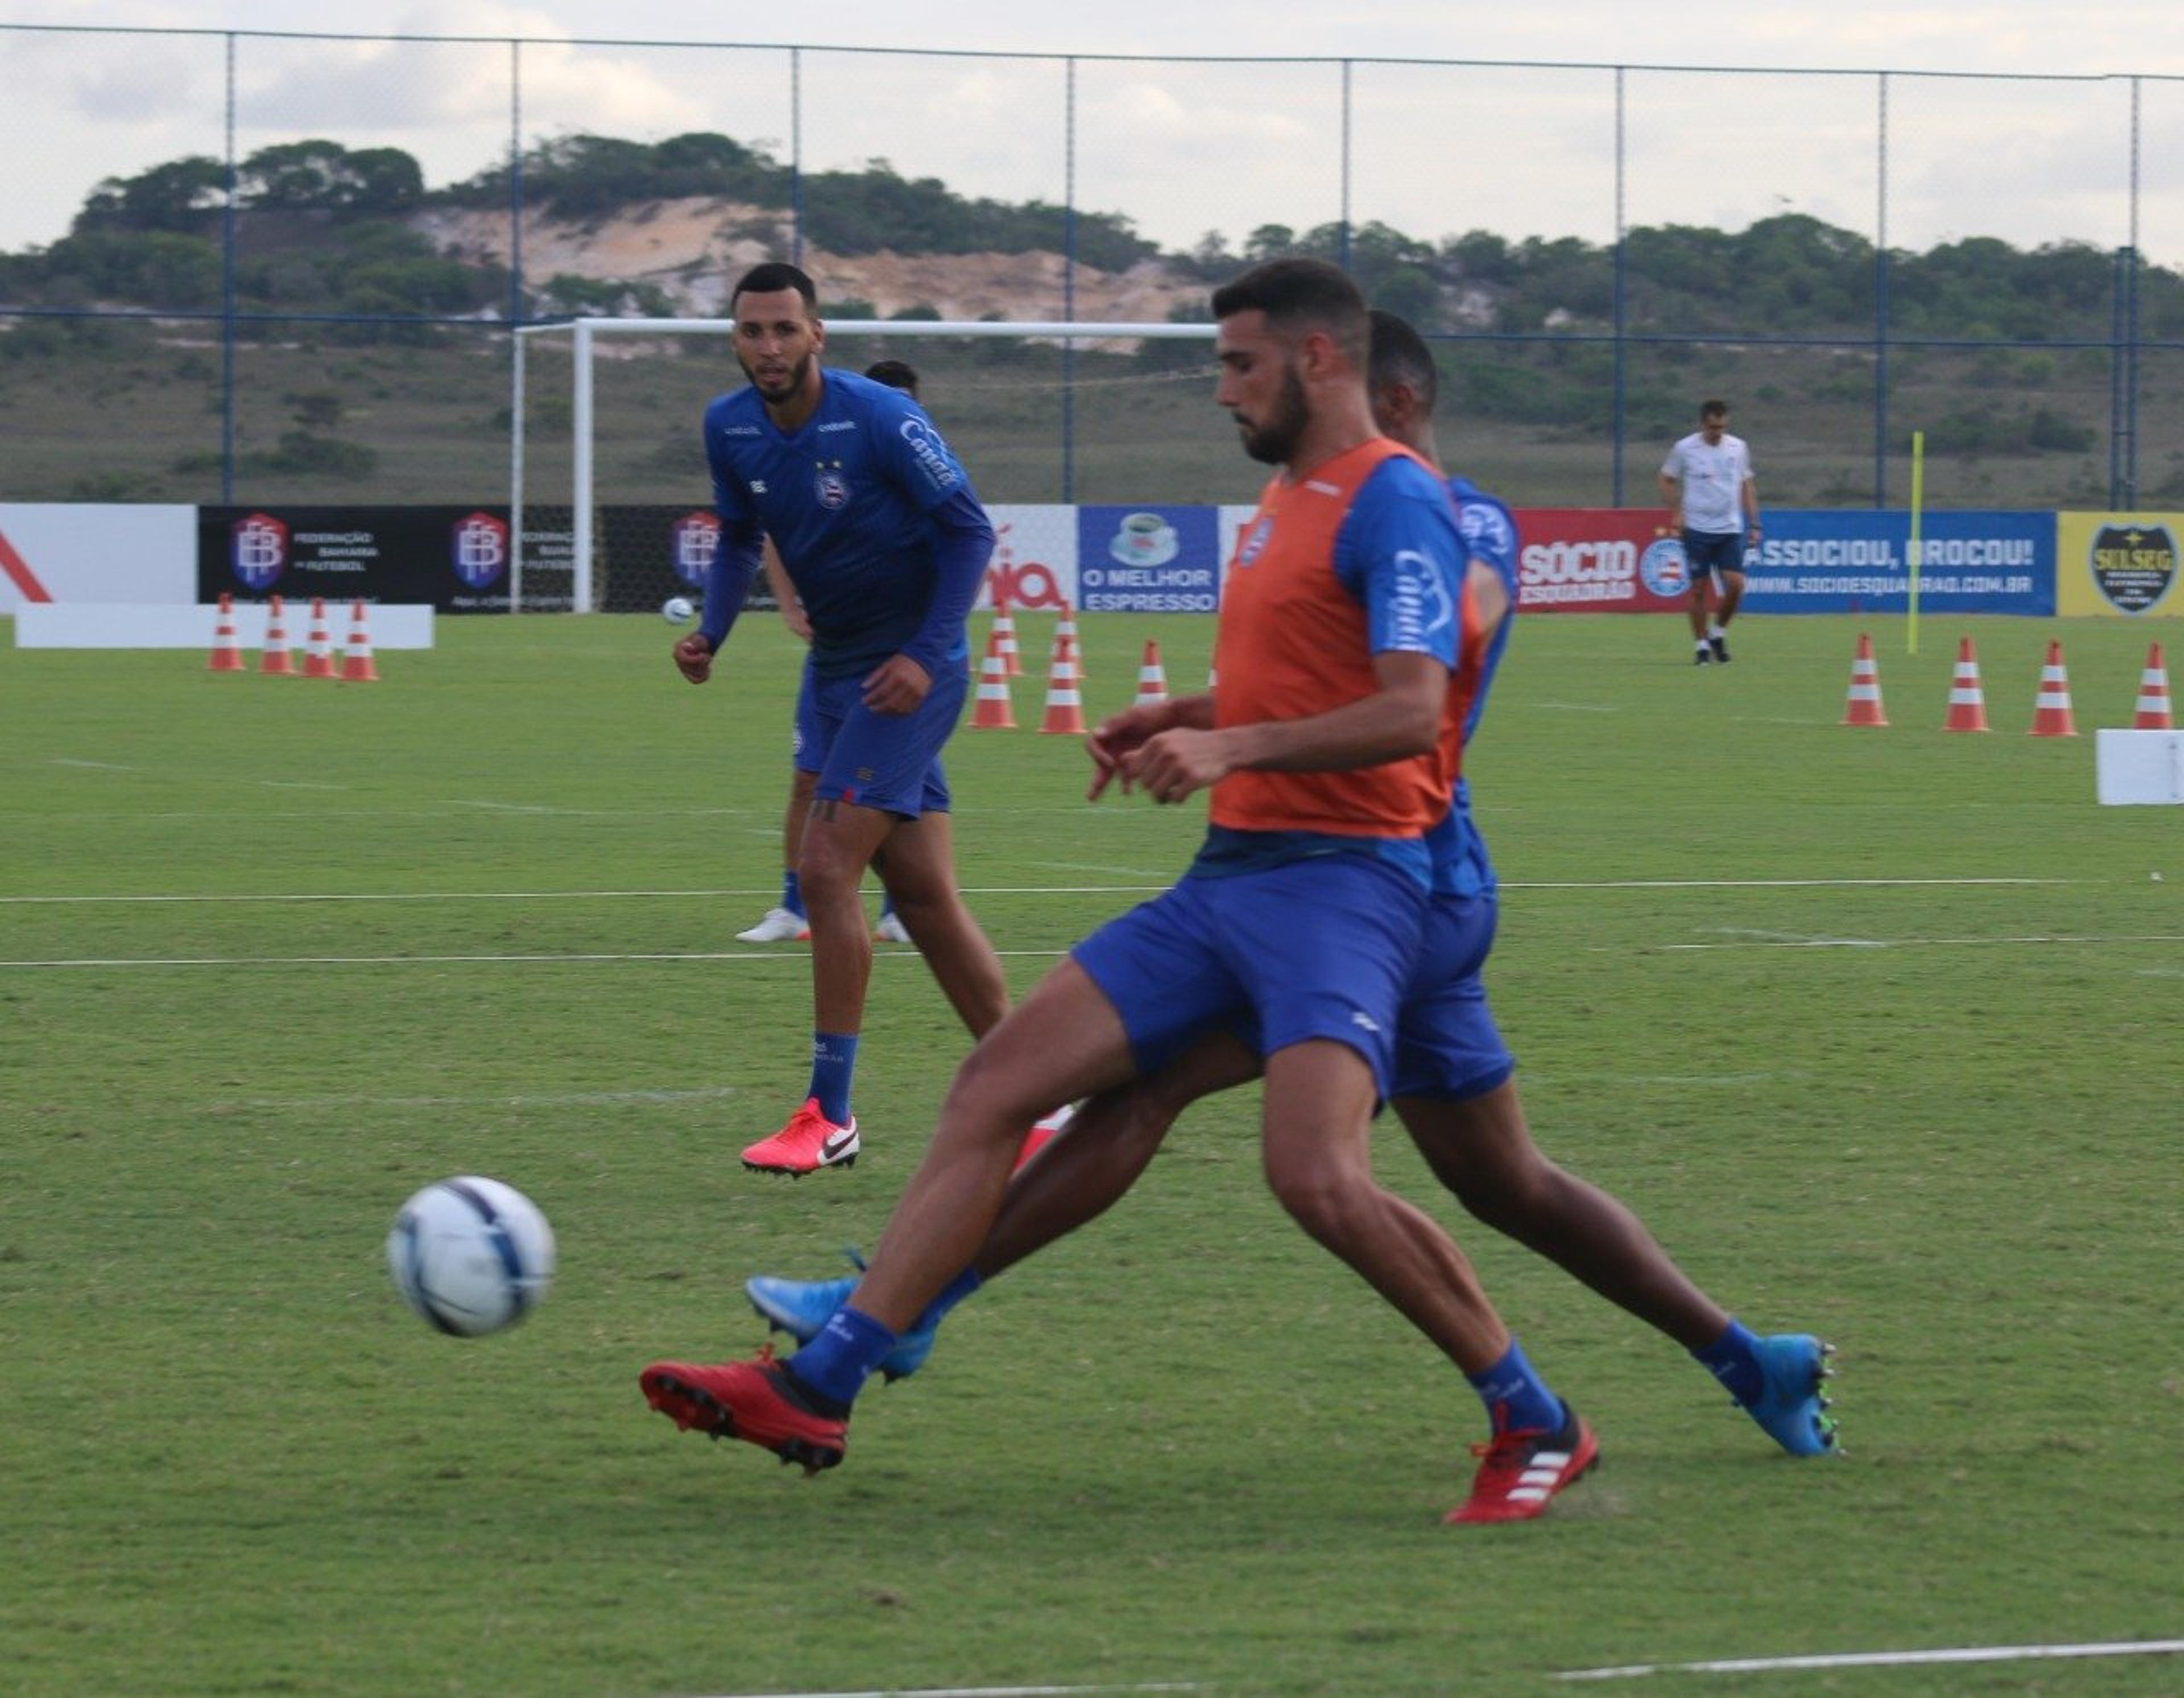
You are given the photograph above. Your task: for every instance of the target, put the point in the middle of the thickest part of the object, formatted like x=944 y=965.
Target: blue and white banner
x=1815 y=561
x=1149 y=560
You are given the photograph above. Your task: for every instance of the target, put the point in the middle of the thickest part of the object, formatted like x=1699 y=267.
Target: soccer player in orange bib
x=1346 y=609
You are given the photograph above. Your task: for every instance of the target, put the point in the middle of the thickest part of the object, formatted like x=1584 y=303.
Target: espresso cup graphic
x=1144 y=539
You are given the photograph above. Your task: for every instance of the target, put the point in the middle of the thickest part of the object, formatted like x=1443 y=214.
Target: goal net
x=611 y=502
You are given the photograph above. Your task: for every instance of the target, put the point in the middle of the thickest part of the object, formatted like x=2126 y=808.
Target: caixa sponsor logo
x=695 y=538
x=258 y=548
x=478 y=547
x=930 y=451
x=1030 y=585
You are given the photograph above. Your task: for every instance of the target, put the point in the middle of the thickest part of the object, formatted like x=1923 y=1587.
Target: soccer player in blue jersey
x=785 y=921
x=1327 y=756
x=1454 y=1092
x=886 y=544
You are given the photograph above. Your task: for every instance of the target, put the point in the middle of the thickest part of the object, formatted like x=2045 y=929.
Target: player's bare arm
x=1399 y=719
x=1119 y=733
x=693 y=656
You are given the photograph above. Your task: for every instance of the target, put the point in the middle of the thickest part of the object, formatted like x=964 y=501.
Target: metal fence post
x=227 y=300
x=1069 y=277
x=1622 y=322
x=1881 y=298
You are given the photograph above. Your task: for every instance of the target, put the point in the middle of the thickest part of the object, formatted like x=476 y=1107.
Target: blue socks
x=792 y=897
x=1517 y=1399
x=1734 y=1360
x=951 y=1294
x=835 y=1363
x=833 y=1063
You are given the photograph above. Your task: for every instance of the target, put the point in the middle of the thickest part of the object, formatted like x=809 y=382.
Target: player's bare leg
x=918 y=864
x=1064 y=1042
x=802 y=786
x=1079 y=1176
x=1732 y=593
x=1482 y=1150
x=785 y=921
x=1315 y=1146
x=839 y=841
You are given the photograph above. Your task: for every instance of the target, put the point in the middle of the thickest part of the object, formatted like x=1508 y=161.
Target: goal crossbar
x=585 y=331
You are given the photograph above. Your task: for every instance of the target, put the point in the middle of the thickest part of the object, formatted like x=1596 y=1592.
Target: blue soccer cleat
x=1790 y=1408
x=801 y=1308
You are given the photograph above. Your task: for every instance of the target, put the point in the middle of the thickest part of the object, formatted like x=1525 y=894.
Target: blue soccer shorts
x=1319 y=947
x=890 y=762
x=1710 y=553
x=1446 y=1044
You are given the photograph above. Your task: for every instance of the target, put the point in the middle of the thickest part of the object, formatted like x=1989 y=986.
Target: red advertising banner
x=1599 y=560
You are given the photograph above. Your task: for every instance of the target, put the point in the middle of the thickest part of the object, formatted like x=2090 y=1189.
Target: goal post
x=539 y=394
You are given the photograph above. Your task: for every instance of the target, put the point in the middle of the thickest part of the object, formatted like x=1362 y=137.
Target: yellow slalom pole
x=1918 y=507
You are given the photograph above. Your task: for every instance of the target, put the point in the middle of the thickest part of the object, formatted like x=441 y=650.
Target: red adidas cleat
x=1522 y=1470
x=754 y=1401
x=807 y=1143
x=1043 y=1133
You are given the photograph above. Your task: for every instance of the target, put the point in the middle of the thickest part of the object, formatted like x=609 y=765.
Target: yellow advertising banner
x=2122 y=565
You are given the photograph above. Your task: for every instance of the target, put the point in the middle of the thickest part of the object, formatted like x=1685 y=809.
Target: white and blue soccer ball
x=470 y=1255
x=676 y=610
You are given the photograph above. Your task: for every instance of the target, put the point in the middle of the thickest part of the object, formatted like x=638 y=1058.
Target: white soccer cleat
x=779 y=926
x=890 y=930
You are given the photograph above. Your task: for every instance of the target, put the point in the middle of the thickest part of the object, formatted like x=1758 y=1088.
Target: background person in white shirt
x=1713 y=503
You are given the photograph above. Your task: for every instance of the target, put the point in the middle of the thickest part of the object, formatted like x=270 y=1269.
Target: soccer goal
x=609 y=494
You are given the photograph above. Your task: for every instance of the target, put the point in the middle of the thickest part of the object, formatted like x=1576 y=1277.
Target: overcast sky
x=1434 y=150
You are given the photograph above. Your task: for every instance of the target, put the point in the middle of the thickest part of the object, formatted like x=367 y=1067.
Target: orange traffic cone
x=226 y=651
x=2153 y=695
x=1863 y=708
x=356 y=653
x=1065 y=626
x=2050 y=709
x=1005 y=633
x=1152 y=681
x=1065 y=701
x=275 y=659
x=993 y=710
x=318 y=648
x=1967 y=701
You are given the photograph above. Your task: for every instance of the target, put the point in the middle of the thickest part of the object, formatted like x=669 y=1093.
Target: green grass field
x=1877 y=1029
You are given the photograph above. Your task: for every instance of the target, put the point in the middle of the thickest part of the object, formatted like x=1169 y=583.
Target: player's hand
x=693 y=657
x=798 y=621
x=1118 y=735
x=1178 y=764
x=898 y=685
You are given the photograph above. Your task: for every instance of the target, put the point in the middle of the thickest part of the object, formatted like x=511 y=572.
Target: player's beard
x=790 y=385
x=1273 y=440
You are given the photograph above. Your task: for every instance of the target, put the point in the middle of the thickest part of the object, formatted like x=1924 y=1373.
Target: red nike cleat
x=755 y=1401
x=1522 y=1470
x=807 y=1143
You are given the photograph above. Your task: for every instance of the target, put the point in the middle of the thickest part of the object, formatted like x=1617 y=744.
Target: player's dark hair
x=772 y=277
x=1714 y=410
x=896 y=374
x=1400 y=356
x=1300 y=295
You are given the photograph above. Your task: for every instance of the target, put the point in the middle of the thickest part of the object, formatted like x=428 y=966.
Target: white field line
x=1884 y=1659
x=983 y=1691
x=906 y=953
x=799 y=958
x=560 y=1099
x=757 y=891
x=2028 y=939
